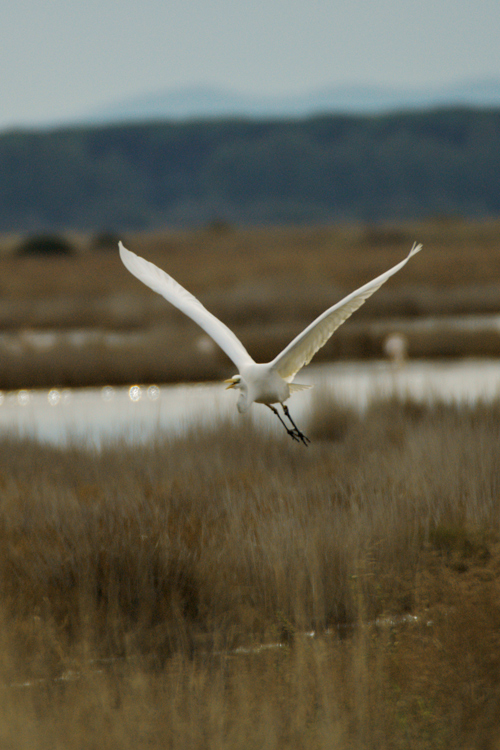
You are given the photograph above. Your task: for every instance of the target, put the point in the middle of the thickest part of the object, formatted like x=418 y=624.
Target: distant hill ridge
x=211 y=102
x=251 y=171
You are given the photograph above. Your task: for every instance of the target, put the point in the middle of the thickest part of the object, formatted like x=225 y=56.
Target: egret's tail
x=294 y=387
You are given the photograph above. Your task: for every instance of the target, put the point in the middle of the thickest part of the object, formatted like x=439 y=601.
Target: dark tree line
x=321 y=169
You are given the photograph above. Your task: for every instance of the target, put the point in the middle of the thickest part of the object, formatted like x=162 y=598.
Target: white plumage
x=269 y=383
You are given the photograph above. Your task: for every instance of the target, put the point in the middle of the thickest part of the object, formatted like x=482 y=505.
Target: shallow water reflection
x=138 y=412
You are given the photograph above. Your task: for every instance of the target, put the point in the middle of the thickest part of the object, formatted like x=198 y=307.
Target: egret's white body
x=260 y=384
x=269 y=383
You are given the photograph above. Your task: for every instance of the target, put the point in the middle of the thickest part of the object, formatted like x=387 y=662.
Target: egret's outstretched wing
x=165 y=285
x=303 y=348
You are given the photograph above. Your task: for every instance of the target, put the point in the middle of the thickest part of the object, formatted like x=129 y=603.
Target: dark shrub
x=45 y=244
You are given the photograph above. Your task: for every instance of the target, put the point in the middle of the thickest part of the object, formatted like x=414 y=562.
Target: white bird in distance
x=272 y=382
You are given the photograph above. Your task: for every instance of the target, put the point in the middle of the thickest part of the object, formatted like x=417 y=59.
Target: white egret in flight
x=272 y=382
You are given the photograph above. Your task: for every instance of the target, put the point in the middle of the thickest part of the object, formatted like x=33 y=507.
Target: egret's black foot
x=294 y=433
x=298 y=434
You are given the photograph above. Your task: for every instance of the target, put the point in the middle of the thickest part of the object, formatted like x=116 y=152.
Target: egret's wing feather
x=303 y=348
x=165 y=285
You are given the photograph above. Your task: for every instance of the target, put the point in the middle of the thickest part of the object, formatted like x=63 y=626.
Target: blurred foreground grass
x=267 y=285
x=130 y=577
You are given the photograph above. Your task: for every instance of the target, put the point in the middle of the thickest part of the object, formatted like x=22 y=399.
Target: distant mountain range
x=202 y=102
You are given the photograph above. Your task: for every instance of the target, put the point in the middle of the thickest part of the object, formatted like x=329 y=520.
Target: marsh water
x=138 y=412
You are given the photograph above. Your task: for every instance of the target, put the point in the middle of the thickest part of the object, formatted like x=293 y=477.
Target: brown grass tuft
x=130 y=578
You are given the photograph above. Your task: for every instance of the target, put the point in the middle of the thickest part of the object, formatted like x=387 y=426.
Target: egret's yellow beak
x=231 y=382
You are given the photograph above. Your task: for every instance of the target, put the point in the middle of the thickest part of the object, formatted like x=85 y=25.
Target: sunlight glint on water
x=139 y=412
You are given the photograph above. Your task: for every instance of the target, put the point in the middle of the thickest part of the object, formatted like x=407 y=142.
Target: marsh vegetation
x=81 y=319
x=228 y=588
x=139 y=586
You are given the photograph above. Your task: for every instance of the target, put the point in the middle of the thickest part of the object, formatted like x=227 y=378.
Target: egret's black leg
x=293 y=433
x=297 y=433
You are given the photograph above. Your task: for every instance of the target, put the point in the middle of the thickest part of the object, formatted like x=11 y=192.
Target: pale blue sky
x=63 y=58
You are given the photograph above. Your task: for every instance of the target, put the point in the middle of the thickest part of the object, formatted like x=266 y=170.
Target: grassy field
x=267 y=285
x=139 y=586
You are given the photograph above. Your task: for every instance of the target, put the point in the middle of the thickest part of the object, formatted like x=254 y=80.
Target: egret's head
x=234 y=382
x=243 y=404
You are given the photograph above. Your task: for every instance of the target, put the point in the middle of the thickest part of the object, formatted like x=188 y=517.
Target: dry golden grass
x=457 y=255
x=129 y=577
x=267 y=285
